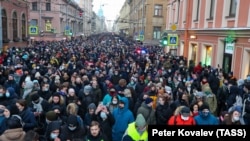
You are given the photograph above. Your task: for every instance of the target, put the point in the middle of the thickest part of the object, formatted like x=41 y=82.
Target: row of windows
x=14 y=25
x=35 y=6
x=232 y=9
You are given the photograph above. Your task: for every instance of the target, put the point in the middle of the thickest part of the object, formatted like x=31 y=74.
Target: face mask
x=7 y=94
x=184 y=118
x=103 y=115
x=205 y=114
x=47 y=121
x=53 y=136
x=141 y=130
x=46 y=89
x=1 y=95
x=72 y=128
x=114 y=102
x=121 y=107
x=236 y=118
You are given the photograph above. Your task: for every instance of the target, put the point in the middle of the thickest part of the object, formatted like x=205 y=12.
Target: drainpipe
x=186 y=43
x=40 y=15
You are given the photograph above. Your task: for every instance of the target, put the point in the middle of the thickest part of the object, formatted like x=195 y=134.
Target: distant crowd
x=109 y=88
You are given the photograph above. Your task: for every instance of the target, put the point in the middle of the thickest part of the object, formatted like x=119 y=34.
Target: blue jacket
x=122 y=118
x=29 y=119
x=209 y=120
x=107 y=99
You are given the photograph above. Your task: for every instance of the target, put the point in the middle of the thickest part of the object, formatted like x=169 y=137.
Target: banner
x=48 y=27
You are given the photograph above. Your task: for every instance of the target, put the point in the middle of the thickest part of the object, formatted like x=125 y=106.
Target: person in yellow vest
x=137 y=130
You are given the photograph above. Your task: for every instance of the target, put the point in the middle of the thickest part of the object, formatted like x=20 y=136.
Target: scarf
x=38 y=106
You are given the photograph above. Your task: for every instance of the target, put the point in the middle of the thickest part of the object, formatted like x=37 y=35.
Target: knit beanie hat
x=87 y=89
x=148 y=100
x=34 y=97
x=51 y=116
x=92 y=106
x=204 y=106
x=72 y=120
x=140 y=121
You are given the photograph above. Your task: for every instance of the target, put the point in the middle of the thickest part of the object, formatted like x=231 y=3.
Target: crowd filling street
x=109 y=88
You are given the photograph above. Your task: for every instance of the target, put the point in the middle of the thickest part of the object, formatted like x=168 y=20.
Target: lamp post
x=40 y=16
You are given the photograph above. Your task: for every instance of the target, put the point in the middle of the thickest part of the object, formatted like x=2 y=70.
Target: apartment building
x=214 y=32
x=147 y=19
x=122 y=23
x=14 y=22
x=54 y=19
x=87 y=7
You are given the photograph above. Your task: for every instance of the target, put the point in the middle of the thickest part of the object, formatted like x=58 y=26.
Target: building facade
x=147 y=19
x=122 y=23
x=14 y=21
x=214 y=32
x=54 y=19
x=87 y=7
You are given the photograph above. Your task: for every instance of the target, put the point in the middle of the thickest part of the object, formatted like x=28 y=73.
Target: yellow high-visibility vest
x=135 y=135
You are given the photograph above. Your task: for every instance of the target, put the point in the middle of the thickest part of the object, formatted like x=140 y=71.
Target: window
x=211 y=13
x=33 y=22
x=4 y=24
x=14 y=25
x=48 y=7
x=198 y=9
x=158 y=10
x=23 y=27
x=233 y=6
x=157 y=32
x=34 y=6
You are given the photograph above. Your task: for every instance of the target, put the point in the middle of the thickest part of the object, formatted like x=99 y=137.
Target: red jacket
x=176 y=120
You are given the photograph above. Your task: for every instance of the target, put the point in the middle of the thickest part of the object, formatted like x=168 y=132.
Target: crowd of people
x=109 y=88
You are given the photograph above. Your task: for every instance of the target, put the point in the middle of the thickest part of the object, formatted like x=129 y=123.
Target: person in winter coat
x=53 y=131
x=147 y=111
x=15 y=131
x=233 y=117
x=106 y=120
x=123 y=116
x=161 y=110
x=183 y=118
x=90 y=115
x=27 y=115
x=205 y=117
x=137 y=130
x=95 y=133
x=72 y=130
x=210 y=99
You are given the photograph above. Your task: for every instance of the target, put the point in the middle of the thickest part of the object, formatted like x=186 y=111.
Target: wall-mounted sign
x=173 y=39
x=229 y=48
x=33 y=30
x=48 y=26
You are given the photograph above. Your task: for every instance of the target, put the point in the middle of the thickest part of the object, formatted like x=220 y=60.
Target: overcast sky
x=111 y=8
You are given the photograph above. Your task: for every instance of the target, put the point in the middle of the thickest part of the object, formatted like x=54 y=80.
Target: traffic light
x=164 y=38
x=165 y=41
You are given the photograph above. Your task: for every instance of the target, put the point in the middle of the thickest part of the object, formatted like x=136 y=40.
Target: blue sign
x=173 y=40
x=142 y=32
x=67 y=27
